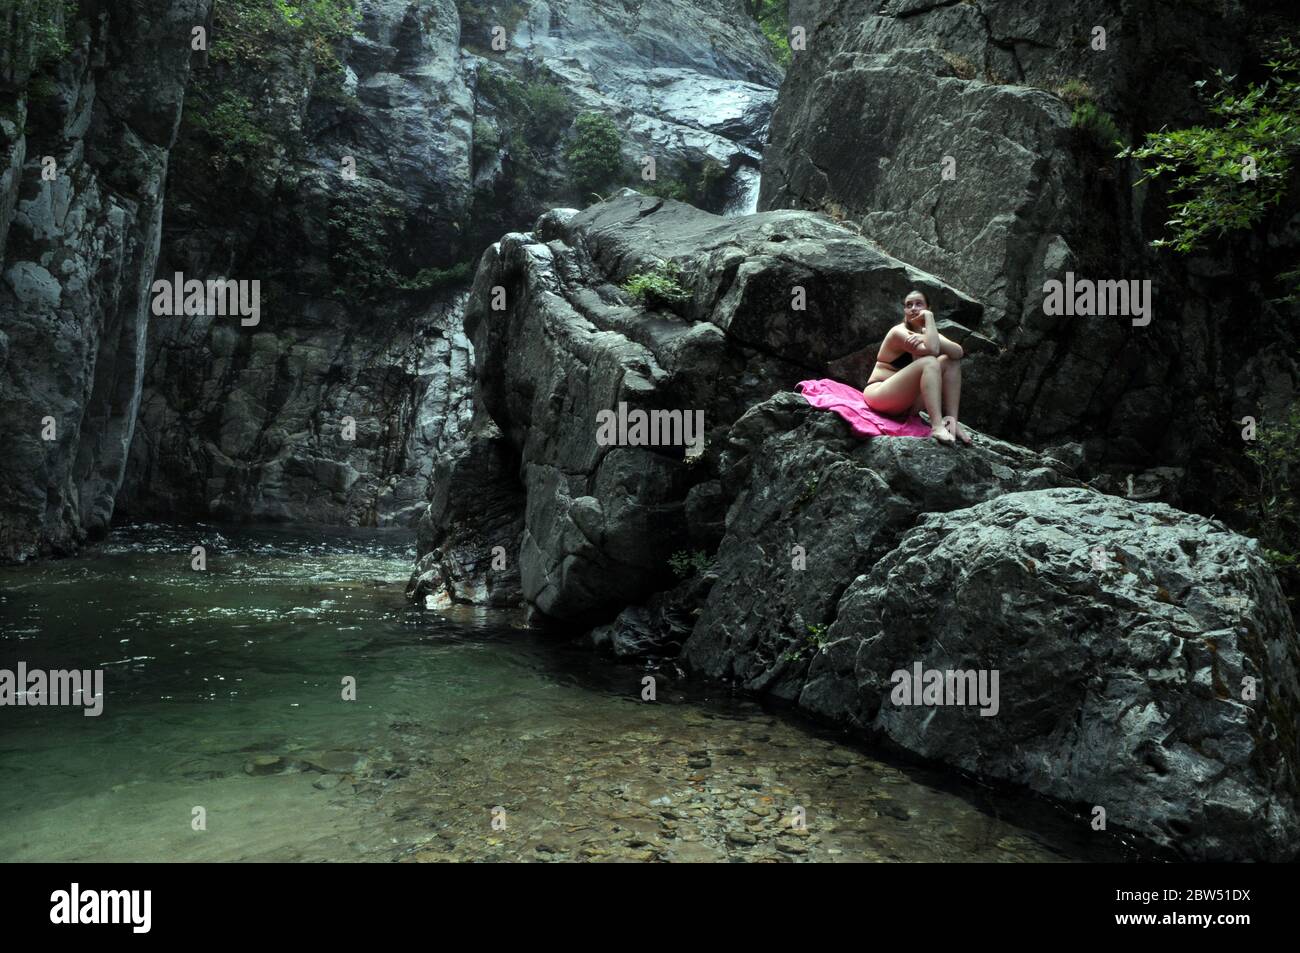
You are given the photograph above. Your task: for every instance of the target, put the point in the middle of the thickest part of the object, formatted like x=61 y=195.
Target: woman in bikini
x=917 y=367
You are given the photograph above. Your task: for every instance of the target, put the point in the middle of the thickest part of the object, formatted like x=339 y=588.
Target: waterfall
x=743 y=197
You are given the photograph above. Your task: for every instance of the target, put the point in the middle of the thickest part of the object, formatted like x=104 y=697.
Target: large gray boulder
x=811 y=508
x=1146 y=660
x=1147 y=664
x=602 y=521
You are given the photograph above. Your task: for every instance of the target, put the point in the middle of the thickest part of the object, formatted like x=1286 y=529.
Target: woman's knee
x=929 y=363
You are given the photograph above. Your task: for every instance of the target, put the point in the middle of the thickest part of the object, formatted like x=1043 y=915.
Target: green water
x=469 y=738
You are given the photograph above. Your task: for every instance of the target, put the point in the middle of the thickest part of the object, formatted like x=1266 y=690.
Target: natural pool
x=470 y=737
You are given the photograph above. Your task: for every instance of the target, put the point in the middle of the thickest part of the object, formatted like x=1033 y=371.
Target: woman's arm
x=923 y=343
x=918 y=344
x=949 y=348
x=930 y=334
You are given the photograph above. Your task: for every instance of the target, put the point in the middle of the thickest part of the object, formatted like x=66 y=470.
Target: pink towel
x=849 y=403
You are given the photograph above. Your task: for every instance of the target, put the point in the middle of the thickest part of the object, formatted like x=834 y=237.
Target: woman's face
x=913 y=305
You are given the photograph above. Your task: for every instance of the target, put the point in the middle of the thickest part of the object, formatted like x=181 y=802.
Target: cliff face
x=334 y=406
x=359 y=324
x=86 y=143
x=355 y=175
x=945 y=132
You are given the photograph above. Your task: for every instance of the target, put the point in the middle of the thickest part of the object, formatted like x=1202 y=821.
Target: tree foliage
x=773 y=18
x=1227 y=176
x=248 y=37
x=32 y=32
x=595 y=155
x=1273 y=504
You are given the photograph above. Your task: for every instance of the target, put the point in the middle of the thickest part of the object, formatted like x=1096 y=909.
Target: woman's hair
x=921 y=293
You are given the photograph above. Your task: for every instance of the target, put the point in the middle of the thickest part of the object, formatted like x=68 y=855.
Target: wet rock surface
x=1131 y=640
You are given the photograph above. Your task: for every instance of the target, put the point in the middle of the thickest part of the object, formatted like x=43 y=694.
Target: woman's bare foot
x=957 y=430
x=942 y=435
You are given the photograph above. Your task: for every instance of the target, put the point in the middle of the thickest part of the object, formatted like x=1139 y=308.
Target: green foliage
x=1075 y=92
x=541 y=111
x=1272 y=507
x=478 y=18
x=358 y=250
x=1209 y=164
x=595 y=156
x=1292 y=279
x=697 y=186
x=230 y=118
x=661 y=285
x=712 y=173
x=548 y=110
x=361 y=239
x=487 y=140
x=31 y=33
x=248 y=32
x=223 y=105
x=429 y=278
x=773 y=18
x=665 y=189
x=813 y=642
x=685 y=563
x=1096 y=125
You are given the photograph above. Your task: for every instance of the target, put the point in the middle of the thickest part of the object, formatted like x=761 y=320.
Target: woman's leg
x=920 y=382
x=950 y=368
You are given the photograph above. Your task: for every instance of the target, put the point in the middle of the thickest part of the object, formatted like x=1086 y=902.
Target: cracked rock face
x=199 y=417
x=324 y=424
x=468 y=536
x=336 y=406
x=78 y=253
x=601 y=521
x=944 y=130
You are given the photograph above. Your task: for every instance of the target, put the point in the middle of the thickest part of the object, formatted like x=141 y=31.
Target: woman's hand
x=915 y=344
